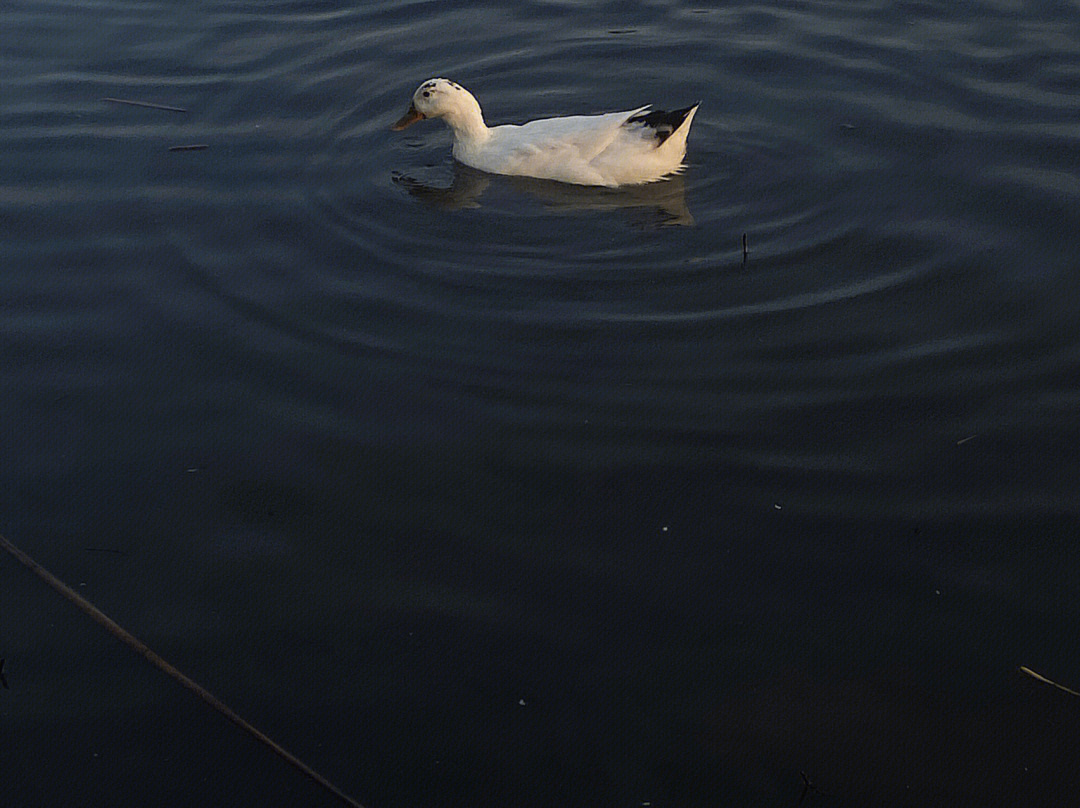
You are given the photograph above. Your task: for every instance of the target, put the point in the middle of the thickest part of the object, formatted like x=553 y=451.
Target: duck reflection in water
x=656 y=204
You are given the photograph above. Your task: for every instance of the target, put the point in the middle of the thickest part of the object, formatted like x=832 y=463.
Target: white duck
x=616 y=148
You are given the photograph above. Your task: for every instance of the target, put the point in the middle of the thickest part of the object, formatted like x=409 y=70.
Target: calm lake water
x=474 y=491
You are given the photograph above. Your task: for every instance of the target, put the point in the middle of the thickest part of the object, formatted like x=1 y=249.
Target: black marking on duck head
x=662 y=121
x=433 y=85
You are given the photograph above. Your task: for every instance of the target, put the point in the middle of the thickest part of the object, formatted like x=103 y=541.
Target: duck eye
x=426 y=94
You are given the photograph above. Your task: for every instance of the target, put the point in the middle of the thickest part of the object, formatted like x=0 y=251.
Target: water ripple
x=886 y=163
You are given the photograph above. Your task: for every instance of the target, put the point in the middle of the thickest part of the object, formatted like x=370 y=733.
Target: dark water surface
x=480 y=492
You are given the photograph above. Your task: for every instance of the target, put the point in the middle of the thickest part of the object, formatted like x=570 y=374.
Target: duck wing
x=576 y=137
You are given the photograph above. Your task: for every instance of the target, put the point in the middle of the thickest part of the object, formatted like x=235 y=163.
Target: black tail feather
x=662 y=121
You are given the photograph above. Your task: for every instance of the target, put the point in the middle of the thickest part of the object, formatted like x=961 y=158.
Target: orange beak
x=408 y=119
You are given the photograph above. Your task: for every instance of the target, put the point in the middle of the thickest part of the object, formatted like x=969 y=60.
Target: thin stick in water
x=192 y=147
x=140 y=647
x=1034 y=675
x=148 y=104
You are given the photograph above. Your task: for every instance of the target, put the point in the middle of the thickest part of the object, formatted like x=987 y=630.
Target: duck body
x=612 y=149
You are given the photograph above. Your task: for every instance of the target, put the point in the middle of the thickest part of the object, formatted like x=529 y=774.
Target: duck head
x=442 y=98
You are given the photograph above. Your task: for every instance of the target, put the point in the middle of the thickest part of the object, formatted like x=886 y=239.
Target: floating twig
x=806 y=786
x=745 y=251
x=1034 y=675
x=148 y=104
x=140 y=647
x=965 y=440
x=192 y=147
